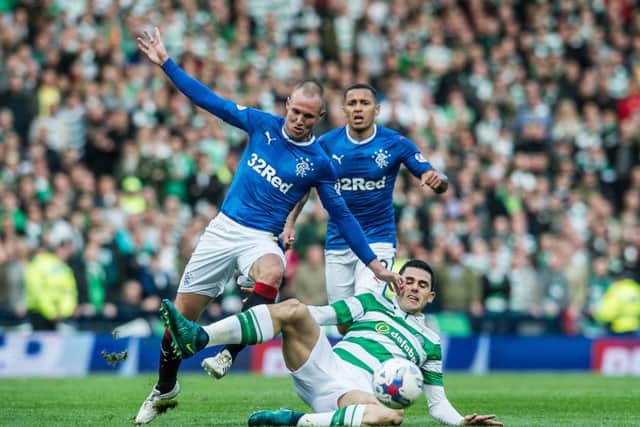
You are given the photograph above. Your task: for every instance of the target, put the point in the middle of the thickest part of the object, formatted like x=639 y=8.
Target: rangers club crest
x=303 y=166
x=381 y=157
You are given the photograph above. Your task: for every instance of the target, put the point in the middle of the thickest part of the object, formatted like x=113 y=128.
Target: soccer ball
x=397 y=383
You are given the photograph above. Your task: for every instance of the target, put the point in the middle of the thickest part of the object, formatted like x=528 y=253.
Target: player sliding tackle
x=281 y=162
x=337 y=383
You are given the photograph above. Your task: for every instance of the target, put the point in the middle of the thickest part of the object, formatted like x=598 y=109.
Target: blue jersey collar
x=298 y=143
x=364 y=141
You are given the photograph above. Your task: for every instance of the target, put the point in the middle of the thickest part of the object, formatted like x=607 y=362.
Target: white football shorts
x=347 y=276
x=325 y=377
x=224 y=247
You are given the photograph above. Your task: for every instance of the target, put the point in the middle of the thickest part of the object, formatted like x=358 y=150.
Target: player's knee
x=268 y=269
x=295 y=310
x=292 y=314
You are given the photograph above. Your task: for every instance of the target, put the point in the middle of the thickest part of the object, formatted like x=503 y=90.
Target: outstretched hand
x=394 y=279
x=480 y=420
x=152 y=46
x=385 y=275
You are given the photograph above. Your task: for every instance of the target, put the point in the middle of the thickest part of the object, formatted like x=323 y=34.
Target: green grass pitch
x=518 y=400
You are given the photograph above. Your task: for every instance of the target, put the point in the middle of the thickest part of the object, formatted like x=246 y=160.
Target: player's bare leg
x=259 y=324
x=267 y=274
x=300 y=331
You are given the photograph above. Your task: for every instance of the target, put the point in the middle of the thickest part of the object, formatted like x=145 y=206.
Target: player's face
x=303 y=112
x=415 y=293
x=361 y=109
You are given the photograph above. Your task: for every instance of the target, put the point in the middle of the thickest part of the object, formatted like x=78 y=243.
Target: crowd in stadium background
x=532 y=108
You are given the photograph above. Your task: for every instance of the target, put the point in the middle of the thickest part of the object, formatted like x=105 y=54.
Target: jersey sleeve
x=439 y=406
x=339 y=313
x=232 y=113
x=348 y=310
x=324 y=314
x=432 y=368
x=350 y=229
x=413 y=158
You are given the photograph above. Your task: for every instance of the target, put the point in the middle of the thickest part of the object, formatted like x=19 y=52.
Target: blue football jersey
x=273 y=174
x=367 y=172
x=274 y=171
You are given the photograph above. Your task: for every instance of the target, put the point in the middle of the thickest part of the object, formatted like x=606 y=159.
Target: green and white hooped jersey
x=380 y=330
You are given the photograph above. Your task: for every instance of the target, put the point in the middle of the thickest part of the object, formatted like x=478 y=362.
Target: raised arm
x=197 y=92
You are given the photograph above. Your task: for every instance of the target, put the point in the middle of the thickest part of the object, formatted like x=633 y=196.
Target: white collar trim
x=418 y=316
x=364 y=141
x=298 y=143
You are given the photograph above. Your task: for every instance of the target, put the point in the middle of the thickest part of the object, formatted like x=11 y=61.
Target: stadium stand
x=532 y=109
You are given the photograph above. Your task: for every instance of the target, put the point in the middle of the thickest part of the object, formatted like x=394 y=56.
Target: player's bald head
x=304 y=108
x=309 y=88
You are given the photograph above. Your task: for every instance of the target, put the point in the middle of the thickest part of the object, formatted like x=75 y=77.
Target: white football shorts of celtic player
x=224 y=247
x=325 y=377
x=347 y=276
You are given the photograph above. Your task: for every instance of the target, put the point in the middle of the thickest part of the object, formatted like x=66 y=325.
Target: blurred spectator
x=555 y=297
x=92 y=296
x=526 y=297
x=532 y=109
x=460 y=288
x=620 y=307
x=13 y=261
x=129 y=304
x=21 y=101
x=496 y=288
x=533 y=130
x=309 y=283
x=131 y=201
x=51 y=290
x=203 y=185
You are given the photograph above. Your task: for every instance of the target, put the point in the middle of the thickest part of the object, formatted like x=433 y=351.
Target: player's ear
x=287 y=102
x=431 y=297
x=377 y=109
